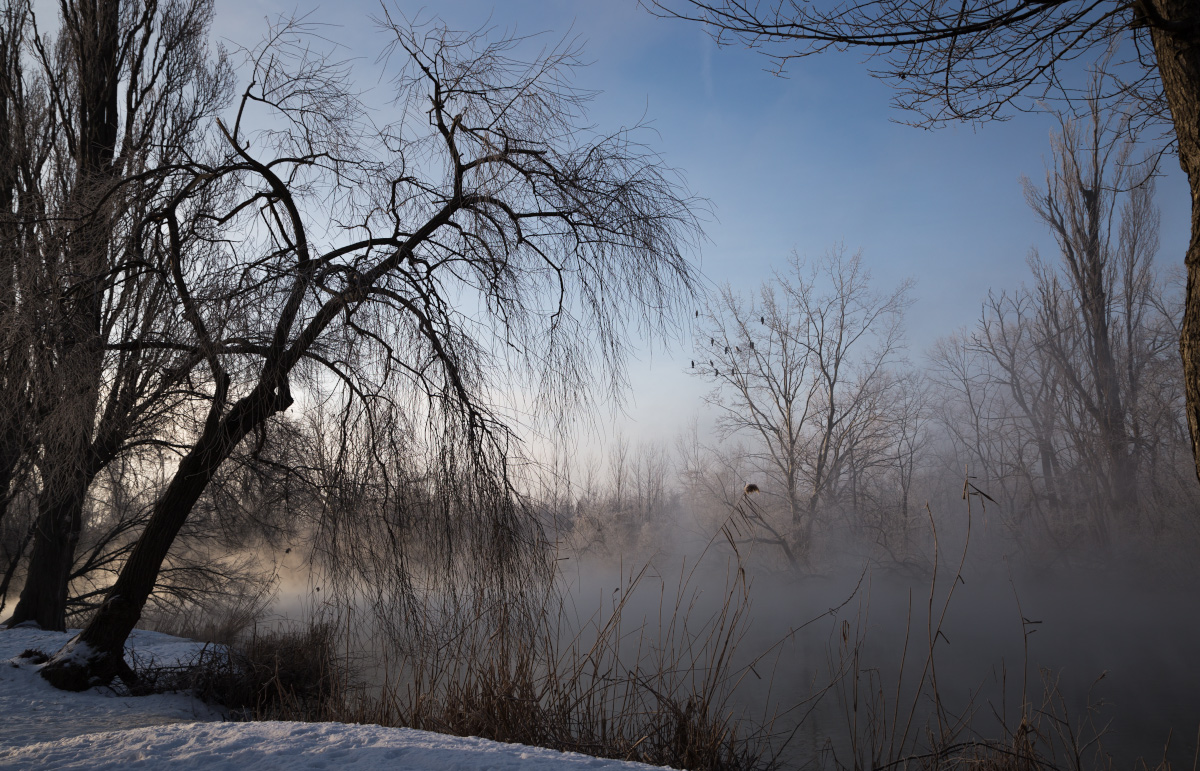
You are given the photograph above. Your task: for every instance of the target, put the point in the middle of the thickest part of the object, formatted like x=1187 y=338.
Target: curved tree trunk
x=1177 y=48
x=96 y=655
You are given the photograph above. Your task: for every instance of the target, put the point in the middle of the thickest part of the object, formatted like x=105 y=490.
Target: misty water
x=1139 y=639
x=1116 y=637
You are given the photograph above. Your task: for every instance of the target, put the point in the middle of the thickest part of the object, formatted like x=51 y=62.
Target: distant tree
x=976 y=60
x=912 y=416
x=974 y=416
x=1083 y=349
x=1098 y=203
x=800 y=372
x=1028 y=418
x=1051 y=397
x=619 y=512
x=398 y=277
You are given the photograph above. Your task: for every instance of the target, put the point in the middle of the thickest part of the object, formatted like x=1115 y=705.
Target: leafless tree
x=965 y=405
x=252 y=509
x=624 y=512
x=799 y=371
x=977 y=60
x=1008 y=336
x=1104 y=319
x=1091 y=171
x=911 y=437
x=618 y=471
x=403 y=275
x=100 y=112
x=652 y=463
x=25 y=125
x=1075 y=355
x=884 y=445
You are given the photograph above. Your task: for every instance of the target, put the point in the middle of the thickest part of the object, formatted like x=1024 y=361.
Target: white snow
x=278 y=745
x=41 y=727
x=32 y=710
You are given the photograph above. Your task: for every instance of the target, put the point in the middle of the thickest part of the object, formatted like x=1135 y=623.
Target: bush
x=286 y=674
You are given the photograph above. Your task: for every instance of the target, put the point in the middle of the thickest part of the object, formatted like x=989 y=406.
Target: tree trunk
x=93 y=33
x=12 y=441
x=96 y=655
x=820 y=473
x=1178 y=52
x=1120 y=482
x=14 y=291
x=60 y=514
x=65 y=427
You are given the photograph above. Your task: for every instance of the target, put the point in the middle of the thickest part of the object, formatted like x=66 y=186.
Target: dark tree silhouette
x=92 y=119
x=485 y=242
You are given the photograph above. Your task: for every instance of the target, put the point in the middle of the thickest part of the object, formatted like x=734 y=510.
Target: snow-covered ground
x=31 y=710
x=43 y=728
x=277 y=745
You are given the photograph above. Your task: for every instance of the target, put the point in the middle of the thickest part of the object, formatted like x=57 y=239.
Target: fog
x=1099 y=642
x=1111 y=640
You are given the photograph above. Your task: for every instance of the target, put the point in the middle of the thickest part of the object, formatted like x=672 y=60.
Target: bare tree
x=1008 y=337
x=911 y=418
x=261 y=498
x=850 y=318
x=651 y=462
x=798 y=371
x=27 y=131
x=755 y=351
x=976 y=60
x=624 y=513
x=483 y=243
x=1090 y=174
x=618 y=470
x=116 y=99
x=1076 y=355
x=879 y=449
x=83 y=83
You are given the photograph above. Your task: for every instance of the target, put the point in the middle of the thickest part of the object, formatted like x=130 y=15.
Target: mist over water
x=1125 y=646
x=1110 y=640
x=422 y=502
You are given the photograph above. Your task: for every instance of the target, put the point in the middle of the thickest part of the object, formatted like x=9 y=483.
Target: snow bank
x=32 y=710
x=41 y=727
x=277 y=745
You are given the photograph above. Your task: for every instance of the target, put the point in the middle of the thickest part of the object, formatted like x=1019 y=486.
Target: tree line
x=983 y=60
x=1063 y=402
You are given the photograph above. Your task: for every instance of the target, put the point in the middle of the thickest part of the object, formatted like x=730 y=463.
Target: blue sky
x=800 y=162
